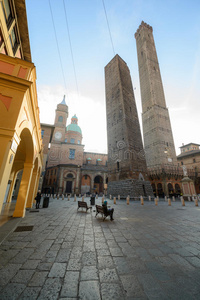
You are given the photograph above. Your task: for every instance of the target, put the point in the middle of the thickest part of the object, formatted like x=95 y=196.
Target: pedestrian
x=38 y=198
x=108 y=211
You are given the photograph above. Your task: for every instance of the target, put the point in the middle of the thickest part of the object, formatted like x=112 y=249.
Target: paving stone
x=89 y=290
x=89 y=273
x=74 y=265
x=50 y=289
x=70 y=286
x=112 y=291
x=58 y=270
x=89 y=259
x=63 y=255
x=30 y=293
x=122 y=265
x=30 y=264
x=38 y=279
x=8 y=272
x=44 y=266
x=12 y=291
x=103 y=252
x=108 y=275
x=23 y=276
x=132 y=286
x=105 y=261
x=116 y=252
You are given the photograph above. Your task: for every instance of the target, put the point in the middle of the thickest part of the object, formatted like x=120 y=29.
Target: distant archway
x=170 y=189
x=98 y=184
x=160 y=190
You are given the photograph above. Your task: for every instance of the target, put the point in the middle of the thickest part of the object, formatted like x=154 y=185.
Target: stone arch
x=170 y=189
x=98 y=184
x=177 y=189
x=86 y=184
x=24 y=160
x=69 y=182
x=153 y=188
x=160 y=190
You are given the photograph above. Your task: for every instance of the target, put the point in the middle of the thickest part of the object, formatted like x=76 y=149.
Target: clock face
x=58 y=135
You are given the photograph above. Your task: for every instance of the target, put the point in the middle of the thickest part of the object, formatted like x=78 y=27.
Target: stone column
x=31 y=190
x=23 y=191
x=60 y=191
x=77 y=190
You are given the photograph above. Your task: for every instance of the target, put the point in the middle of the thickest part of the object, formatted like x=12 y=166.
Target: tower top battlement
x=142 y=25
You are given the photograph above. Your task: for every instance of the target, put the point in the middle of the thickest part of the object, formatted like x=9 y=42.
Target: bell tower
x=127 y=170
x=157 y=132
x=60 y=121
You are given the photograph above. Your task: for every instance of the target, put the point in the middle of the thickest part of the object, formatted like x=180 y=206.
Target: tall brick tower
x=157 y=132
x=127 y=170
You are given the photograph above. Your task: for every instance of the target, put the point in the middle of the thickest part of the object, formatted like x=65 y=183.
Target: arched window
x=60 y=119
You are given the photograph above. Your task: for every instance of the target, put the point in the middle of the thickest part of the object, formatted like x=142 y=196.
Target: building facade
x=127 y=170
x=20 y=132
x=190 y=158
x=69 y=169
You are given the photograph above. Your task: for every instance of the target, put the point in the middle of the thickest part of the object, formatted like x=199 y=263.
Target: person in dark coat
x=108 y=211
x=38 y=198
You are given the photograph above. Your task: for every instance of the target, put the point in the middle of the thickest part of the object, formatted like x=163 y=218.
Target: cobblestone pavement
x=147 y=252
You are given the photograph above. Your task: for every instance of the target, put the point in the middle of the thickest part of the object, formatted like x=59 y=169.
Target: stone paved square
x=147 y=252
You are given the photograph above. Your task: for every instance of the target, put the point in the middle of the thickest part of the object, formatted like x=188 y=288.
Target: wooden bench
x=83 y=205
x=100 y=210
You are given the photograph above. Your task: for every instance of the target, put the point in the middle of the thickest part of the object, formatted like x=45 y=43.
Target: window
x=7 y=10
x=72 y=141
x=71 y=153
x=85 y=176
x=60 y=119
x=182 y=163
x=79 y=142
x=117 y=166
x=13 y=39
x=55 y=171
x=42 y=133
x=65 y=140
x=194 y=160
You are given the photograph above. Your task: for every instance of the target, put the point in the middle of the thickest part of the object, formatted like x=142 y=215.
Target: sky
x=176 y=31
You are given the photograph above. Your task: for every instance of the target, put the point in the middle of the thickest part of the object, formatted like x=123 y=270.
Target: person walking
x=38 y=198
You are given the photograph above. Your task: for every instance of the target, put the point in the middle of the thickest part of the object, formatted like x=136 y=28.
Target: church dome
x=74 y=125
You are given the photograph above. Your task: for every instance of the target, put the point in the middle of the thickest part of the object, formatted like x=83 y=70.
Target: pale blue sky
x=176 y=30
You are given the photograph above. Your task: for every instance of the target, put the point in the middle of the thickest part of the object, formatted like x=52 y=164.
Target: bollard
x=165 y=198
x=68 y=197
x=156 y=201
x=157 y=198
x=169 y=202
x=182 y=201
x=127 y=200
x=79 y=195
x=83 y=198
x=173 y=199
x=58 y=196
x=114 y=200
x=141 y=200
x=149 y=198
x=118 y=197
x=110 y=197
x=196 y=202
x=54 y=196
x=63 y=197
x=102 y=200
x=189 y=199
x=75 y=198
x=96 y=196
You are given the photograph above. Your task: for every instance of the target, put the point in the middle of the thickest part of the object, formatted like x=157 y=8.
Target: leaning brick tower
x=157 y=132
x=127 y=170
